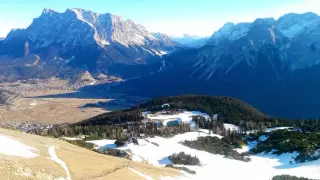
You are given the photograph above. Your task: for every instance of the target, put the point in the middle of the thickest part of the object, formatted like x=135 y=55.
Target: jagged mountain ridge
x=293 y=25
x=292 y=39
x=86 y=40
x=233 y=45
x=101 y=29
x=261 y=63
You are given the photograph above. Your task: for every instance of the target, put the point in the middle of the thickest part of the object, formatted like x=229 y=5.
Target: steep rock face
x=165 y=40
x=67 y=29
x=86 y=40
x=78 y=27
x=304 y=33
x=289 y=43
x=292 y=25
x=242 y=44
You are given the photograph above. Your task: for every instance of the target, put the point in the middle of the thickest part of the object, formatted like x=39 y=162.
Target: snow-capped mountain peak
x=288 y=43
x=239 y=44
x=86 y=16
x=230 y=31
x=97 y=39
x=83 y=27
x=48 y=11
x=293 y=24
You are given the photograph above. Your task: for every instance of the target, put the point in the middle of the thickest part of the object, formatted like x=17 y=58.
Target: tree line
x=230 y=111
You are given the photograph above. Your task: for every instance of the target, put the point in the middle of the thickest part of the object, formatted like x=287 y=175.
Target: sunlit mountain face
x=86 y=40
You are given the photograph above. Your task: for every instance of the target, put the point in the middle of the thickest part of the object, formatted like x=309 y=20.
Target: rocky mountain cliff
x=289 y=43
x=271 y=64
x=86 y=40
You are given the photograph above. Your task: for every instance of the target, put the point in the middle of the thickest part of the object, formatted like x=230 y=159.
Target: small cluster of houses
x=26 y=126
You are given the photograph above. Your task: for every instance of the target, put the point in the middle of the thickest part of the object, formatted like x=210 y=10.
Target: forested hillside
x=230 y=110
x=226 y=107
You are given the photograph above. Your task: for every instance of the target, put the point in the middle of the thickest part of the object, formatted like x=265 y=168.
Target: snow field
x=186 y=116
x=261 y=166
x=11 y=147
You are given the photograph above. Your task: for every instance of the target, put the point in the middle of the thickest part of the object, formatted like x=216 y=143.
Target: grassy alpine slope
x=80 y=162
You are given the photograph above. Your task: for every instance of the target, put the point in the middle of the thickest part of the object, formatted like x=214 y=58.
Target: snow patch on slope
x=159 y=53
x=104 y=42
x=291 y=25
x=146 y=50
x=185 y=116
x=276 y=128
x=12 y=147
x=71 y=138
x=231 y=32
x=54 y=157
x=141 y=174
x=231 y=127
x=80 y=16
x=262 y=166
x=104 y=143
x=293 y=30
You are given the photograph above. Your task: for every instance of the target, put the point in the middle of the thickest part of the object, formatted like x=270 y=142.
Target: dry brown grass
x=83 y=164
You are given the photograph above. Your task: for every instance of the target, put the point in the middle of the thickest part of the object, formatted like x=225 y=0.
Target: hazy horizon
x=199 y=18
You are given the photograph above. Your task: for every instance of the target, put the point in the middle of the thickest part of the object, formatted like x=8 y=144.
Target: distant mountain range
x=191 y=41
x=271 y=64
x=83 y=40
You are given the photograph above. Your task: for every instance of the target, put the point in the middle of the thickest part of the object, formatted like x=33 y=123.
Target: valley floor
x=46 y=110
x=49 y=102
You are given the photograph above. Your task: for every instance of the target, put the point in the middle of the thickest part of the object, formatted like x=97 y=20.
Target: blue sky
x=173 y=17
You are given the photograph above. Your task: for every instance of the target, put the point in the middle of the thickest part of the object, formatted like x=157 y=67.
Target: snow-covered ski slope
x=261 y=166
x=185 y=116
